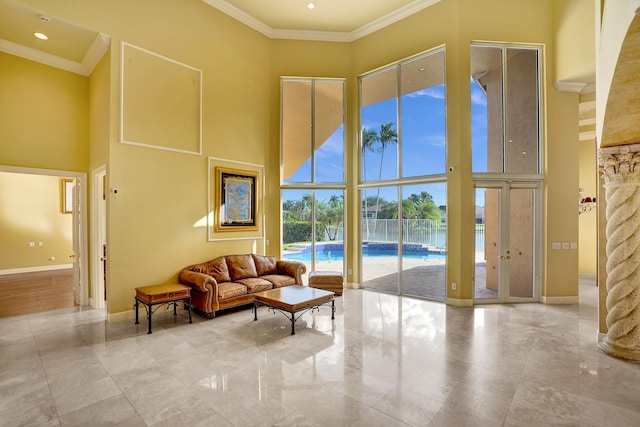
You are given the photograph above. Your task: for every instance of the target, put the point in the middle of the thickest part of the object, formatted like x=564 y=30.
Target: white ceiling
x=330 y=20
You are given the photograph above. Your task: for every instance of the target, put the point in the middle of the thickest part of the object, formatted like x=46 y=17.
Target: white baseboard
x=123 y=316
x=130 y=315
x=35 y=269
x=560 y=300
x=460 y=302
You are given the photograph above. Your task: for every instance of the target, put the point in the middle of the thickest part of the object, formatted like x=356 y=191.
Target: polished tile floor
x=384 y=361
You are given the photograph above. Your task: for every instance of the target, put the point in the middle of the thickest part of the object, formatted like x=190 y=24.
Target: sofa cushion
x=256 y=284
x=228 y=290
x=279 y=280
x=217 y=269
x=241 y=267
x=265 y=264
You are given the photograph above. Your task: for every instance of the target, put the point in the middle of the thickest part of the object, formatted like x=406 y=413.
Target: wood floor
x=27 y=293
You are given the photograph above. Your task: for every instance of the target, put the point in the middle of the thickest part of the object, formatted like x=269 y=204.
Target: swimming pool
x=338 y=255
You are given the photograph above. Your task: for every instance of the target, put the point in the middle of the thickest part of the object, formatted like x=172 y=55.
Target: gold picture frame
x=66 y=195
x=236 y=200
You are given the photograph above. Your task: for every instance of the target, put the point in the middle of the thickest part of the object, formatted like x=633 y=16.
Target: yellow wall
x=575 y=56
x=44 y=116
x=31 y=211
x=99 y=100
x=162 y=194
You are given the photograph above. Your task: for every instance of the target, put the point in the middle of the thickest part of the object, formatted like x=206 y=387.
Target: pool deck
x=421 y=277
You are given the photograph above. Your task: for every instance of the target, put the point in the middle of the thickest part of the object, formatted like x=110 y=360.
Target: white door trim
x=97 y=226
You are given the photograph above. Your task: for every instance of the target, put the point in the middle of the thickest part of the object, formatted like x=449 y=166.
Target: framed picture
x=236 y=200
x=66 y=199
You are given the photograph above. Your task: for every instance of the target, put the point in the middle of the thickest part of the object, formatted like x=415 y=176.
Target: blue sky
x=423 y=142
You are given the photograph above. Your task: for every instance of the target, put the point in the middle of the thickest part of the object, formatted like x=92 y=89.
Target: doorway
x=48 y=250
x=506 y=243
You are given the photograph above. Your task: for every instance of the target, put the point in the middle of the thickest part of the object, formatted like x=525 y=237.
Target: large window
x=506 y=153
x=505 y=104
x=403 y=181
x=312 y=177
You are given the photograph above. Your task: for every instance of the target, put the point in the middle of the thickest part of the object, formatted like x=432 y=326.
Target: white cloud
x=436 y=92
x=478 y=98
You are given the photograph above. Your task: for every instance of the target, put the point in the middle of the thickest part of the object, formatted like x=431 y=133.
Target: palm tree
x=369 y=138
x=387 y=136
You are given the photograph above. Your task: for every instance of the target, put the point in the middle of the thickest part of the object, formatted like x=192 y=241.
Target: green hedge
x=300 y=231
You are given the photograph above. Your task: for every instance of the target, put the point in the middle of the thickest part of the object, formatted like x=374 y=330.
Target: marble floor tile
x=383 y=361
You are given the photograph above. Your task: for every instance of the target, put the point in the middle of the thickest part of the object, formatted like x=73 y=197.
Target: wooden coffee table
x=293 y=300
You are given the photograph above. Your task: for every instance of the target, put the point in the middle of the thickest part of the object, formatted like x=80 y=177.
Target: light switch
x=565 y=245
x=555 y=246
x=574 y=245
x=31 y=244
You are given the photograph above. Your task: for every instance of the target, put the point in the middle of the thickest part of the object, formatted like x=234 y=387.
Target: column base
x=631 y=354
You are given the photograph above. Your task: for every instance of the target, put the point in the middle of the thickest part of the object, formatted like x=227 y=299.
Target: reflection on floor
x=384 y=360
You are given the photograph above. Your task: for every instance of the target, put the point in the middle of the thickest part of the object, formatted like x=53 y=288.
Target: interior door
x=77 y=233
x=506 y=245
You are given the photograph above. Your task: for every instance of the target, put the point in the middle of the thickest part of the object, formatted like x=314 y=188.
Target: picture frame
x=236 y=203
x=66 y=192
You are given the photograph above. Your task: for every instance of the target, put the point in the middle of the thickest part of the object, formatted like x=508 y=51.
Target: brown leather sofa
x=231 y=280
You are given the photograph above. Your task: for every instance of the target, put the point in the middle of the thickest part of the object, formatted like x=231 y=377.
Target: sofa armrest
x=197 y=281
x=294 y=269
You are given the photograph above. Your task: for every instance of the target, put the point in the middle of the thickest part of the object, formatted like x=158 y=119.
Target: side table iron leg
x=136 y=305
x=255 y=311
x=293 y=324
x=149 y=315
x=190 y=310
x=333 y=309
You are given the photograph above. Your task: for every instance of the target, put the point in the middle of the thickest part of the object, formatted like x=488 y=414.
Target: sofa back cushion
x=241 y=266
x=216 y=268
x=265 y=265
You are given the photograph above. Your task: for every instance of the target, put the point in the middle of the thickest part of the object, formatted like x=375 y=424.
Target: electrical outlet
x=350 y=271
x=454 y=286
x=31 y=244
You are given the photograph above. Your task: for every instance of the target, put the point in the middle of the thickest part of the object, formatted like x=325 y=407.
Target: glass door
x=506 y=226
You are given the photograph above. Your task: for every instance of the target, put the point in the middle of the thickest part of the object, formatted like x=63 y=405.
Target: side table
x=162 y=294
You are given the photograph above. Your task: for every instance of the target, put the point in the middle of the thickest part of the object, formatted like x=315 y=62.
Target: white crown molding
x=395 y=16
x=40 y=56
x=93 y=56
x=98 y=48
x=331 y=36
x=241 y=16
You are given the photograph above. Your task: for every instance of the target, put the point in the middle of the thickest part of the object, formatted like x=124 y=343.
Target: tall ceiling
x=77 y=49
x=332 y=20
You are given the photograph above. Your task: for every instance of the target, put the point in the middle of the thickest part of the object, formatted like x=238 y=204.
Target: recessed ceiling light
x=311 y=5
x=41 y=36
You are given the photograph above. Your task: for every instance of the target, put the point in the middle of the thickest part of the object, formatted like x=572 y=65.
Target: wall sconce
x=586 y=203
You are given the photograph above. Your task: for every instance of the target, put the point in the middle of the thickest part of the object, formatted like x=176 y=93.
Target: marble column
x=621 y=171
